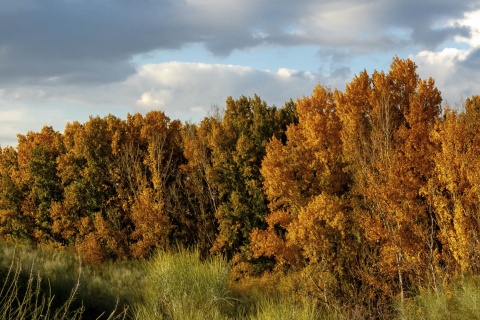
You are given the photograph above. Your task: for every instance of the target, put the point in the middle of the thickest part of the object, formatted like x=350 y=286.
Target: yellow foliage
x=151 y=223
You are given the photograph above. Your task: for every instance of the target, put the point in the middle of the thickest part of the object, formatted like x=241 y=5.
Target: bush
x=181 y=286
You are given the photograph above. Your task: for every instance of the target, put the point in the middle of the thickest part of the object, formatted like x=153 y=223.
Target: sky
x=65 y=60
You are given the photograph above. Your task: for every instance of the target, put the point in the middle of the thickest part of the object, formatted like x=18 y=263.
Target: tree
x=454 y=190
x=386 y=123
x=200 y=193
x=37 y=181
x=85 y=170
x=12 y=222
x=155 y=211
x=237 y=145
x=304 y=182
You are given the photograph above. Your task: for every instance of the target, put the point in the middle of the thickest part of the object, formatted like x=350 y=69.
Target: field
x=38 y=284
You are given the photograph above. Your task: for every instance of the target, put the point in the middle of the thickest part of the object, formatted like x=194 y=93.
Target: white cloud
x=441 y=67
x=152 y=100
x=198 y=110
x=472 y=21
x=8 y=115
x=455 y=69
x=24 y=94
x=186 y=90
x=286 y=73
x=10 y=121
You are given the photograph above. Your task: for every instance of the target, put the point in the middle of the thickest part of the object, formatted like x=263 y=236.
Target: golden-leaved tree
x=11 y=222
x=29 y=175
x=200 y=193
x=308 y=223
x=386 y=121
x=121 y=189
x=348 y=189
x=455 y=189
x=84 y=217
x=37 y=159
x=154 y=212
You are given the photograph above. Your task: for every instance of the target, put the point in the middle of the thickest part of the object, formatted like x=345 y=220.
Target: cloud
x=9 y=120
x=87 y=42
x=455 y=70
x=67 y=59
x=181 y=88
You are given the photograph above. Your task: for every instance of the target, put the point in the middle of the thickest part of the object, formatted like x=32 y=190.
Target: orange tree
x=454 y=191
x=308 y=231
x=386 y=122
x=30 y=184
x=346 y=190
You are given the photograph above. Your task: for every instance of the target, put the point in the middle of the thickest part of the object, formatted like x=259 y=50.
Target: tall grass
x=459 y=300
x=285 y=308
x=181 y=286
x=38 y=284
x=22 y=297
x=52 y=281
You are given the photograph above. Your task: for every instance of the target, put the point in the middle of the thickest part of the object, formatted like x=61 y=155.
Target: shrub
x=181 y=286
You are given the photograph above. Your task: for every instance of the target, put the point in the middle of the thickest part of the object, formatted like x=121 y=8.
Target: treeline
x=114 y=189
x=361 y=195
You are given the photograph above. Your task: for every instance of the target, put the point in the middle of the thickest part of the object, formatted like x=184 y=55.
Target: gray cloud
x=86 y=41
x=471 y=62
x=431 y=38
x=424 y=19
x=65 y=59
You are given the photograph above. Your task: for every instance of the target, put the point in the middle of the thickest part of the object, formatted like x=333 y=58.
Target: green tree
x=237 y=145
x=30 y=175
x=13 y=225
x=89 y=190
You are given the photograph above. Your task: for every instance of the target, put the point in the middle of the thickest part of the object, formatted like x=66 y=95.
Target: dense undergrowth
x=39 y=284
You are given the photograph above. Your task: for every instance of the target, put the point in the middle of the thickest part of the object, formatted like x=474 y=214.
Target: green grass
x=39 y=284
x=285 y=308
x=180 y=286
x=459 y=300
x=22 y=297
x=61 y=281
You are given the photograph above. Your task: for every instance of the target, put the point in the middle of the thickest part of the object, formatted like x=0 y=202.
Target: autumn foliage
x=358 y=195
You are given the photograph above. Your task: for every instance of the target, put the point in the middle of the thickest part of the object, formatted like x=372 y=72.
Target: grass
x=39 y=284
x=59 y=281
x=459 y=300
x=285 y=308
x=180 y=286
x=23 y=298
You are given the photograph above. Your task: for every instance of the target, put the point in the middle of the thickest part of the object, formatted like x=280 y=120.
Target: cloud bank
x=63 y=60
